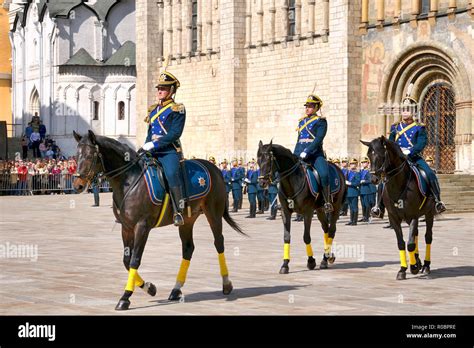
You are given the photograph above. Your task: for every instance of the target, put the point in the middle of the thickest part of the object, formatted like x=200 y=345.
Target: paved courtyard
x=78 y=266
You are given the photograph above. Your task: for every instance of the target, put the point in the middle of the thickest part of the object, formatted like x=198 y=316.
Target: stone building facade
x=5 y=67
x=246 y=67
x=74 y=65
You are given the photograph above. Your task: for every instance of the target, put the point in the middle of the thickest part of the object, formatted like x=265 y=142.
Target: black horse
x=295 y=196
x=132 y=207
x=403 y=200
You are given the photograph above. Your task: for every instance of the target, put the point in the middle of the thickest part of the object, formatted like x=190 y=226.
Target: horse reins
x=283 y=175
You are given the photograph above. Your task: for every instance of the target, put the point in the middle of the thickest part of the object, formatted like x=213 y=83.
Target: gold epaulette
x=421 y=124
x=150 y=109
x=178 y=107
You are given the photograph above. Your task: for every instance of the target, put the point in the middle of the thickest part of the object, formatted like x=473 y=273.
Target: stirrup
x=178 y=219
x=328 y=208
x=440 y=207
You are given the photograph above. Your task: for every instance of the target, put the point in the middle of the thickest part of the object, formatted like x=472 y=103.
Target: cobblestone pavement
x=78 y=268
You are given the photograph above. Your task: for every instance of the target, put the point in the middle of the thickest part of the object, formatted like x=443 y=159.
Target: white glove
x=362 y=181
x=348 y=182
x=148 y=146
x=303 y=155
x=247 y=180
x=406 y=151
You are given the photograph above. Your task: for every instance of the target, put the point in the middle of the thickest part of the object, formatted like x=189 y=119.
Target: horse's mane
x=283 y=151
x=115 y=145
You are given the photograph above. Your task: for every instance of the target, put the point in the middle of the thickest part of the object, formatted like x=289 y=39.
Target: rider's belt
x=305 y=141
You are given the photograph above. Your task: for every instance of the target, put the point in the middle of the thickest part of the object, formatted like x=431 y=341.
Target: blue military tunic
x=353 y=189
x=166 y=124
x=227 y=177
x=236 y=180
x=413 y=137
x=311 y=133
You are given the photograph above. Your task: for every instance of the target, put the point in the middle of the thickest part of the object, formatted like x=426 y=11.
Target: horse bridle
x=384 y=175
x=98 y=155
x=283 y=174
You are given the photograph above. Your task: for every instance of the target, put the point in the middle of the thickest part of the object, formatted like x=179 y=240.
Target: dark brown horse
x=295 y=196
x=403 y=200
x=132 y=207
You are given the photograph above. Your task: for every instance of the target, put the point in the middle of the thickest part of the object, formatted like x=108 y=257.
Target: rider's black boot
x=178 y=205
x=328 y=208
x=439 y=206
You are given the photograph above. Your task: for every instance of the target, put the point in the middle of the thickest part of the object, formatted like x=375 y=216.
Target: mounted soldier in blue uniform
x=411 y=137
x=312 y=129
x=166 y=121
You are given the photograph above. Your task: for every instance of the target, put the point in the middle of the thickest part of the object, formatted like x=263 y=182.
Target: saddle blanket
x=334 y=182
x=420 y=179
x=197 y=176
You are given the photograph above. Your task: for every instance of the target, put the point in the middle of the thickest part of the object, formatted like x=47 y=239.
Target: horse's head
x=88 y=160
x=377 y=154
x=265 y=161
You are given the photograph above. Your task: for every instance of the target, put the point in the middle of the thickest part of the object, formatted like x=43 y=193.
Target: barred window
x=121 y=110
x=95 y=115
x=194 y=25
x=291 y=18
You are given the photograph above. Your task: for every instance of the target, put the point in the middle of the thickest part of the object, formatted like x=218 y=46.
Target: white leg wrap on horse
x=225 y=280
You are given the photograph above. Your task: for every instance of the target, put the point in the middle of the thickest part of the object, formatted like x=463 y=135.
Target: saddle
x=314 y=181
x=421 y=179
x=197 y=177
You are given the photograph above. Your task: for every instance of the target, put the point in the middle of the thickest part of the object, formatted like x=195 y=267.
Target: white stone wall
x=67 y=98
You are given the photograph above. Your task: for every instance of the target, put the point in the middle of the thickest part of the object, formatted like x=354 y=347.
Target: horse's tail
x=232 y=222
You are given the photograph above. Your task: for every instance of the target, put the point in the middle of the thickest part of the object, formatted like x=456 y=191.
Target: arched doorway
x=438 y=113
x=35 y=103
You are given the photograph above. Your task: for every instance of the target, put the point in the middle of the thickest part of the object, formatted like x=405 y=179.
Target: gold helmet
x=429 y=159
x=336 y=161
x=224 y=161
x=353 y=161
x=168 y=79
x=409 y=104
x=314 y=99
x=344 y=159
x=364 y=159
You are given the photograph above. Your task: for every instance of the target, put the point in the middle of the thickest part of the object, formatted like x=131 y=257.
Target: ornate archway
x=432 y=74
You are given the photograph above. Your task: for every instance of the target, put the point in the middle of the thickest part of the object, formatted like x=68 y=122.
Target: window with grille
x=194 y=25
x=291 y=18
x=95 y=111
x=121 y=110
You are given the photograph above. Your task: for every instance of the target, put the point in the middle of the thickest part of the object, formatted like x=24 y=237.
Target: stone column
x=272 y=12
x=380 y=13
x=452 y=8
x=209 y=28
x=260 y=22
x=433 y=11
x=283 y=27
x=364 y=21
x=248 y=25
x=179 y=31
x=398 y=10
x=189 y=28
x=169 y=27
x=297 y=22
x=325 y=30
x=232 y=74
x=311 y=4
x=199 y=29
x=415 y=11
x=148 y=57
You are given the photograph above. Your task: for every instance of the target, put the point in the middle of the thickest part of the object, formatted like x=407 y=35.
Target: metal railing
x=36 y=184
